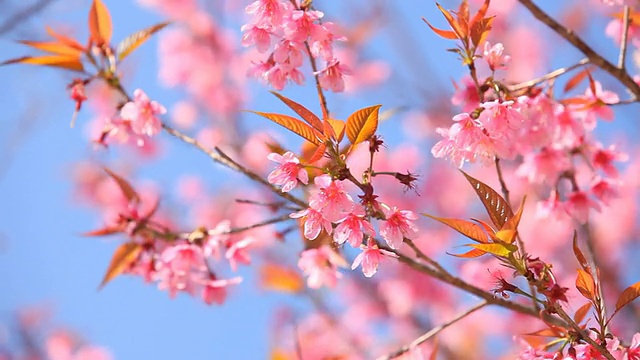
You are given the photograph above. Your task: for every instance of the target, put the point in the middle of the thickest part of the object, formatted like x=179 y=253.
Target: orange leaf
x=466 y=228
x=304 y=113
x=480 y=30
x=474 y=253
x=512 y=222
x=582 y=260
x=280 y=278
x=628 y=295
x=553 y=331
x=136 y=39
x=434 y=352
x=481 y=13
x=501 y=250
x=294 y=125
x=63 y=61
x=102 y=232
x=53 y=47
x=575 y=80
x=318 y=153
x=497 y=208
x=463 y=16
x=452 y=22
x=506 y=236
x=585 y=284
x=65 y=40
x=100 y=23
x=362 y=124
x=123 y=257
x=447 y=34
x=127 y=190
x=582 y=312
x=339 y=127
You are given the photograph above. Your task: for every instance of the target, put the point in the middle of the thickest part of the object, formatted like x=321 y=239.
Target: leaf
x=103 y=232
x=497 y=208
x=480 y=30
x=136 y=39
x=479 y=16
x=306 y=114
x=463 y=16
x=506 y=236
x=585 y=284
x=339 y=127
x=100 y=23
x=294 y=125
x=575 y=80
x=628 y=295
x=53 y=47
x=581 y=313
x=62 y=61
x=362 y=124
x=127 y=190
x=123 y=257
x=447 y=34
x=582 y=260
x=502 y=250
x=318 y=153
x=434 y=352
x=466 y=228
x=279 y=278
x=474 y=253
x=552 y=331
x=452 y=22
x=65 y=40
x=513 y=222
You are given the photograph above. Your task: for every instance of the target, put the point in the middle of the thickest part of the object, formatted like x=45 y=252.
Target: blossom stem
x=314 y=68
x=433 y=332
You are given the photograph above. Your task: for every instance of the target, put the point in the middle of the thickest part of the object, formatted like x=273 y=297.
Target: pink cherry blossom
x=578 y=205
x=314 y=222
x=258 y=35
x=398 y=225
x=237 y=253
x=633 y=352
x=332 y=201
x=353 y=227
x=604 y=189
x=320 y=265
x=215 y=290
x=603 y=159
x=143 y=113
x=332 y=76
x=494 y=57
x=268 y=11
x=370 y=257
x=288 y=173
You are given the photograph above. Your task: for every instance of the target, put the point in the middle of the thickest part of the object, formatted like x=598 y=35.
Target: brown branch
x=583 y=334
x=626 y=20
x=431 y=333
x=22 y=15
x=578 y=43
x=314 y=68
x=546 y=77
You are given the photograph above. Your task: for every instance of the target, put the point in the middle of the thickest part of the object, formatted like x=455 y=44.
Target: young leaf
x=304 y=113
x=123 y=257
x=103 y=232
x=585 y=284
x=136 y=39
x=512 y=222
x=53 y=47
x=362 y=124
x=280 y=278
x=480 y=30
x=628 y=295
x=463 y=16
x=581 y=313
x=62 y=61
x=473 y=253
x=338 y=127
x=100 y=23
x=497 y=208
x=506 y=236
x=452 y=22
x=479 y=16
x=502 y=250
x=466 y=228
x=294 y=125
x=575 y=80
x=447 y=34
x=318 y=153
x=127 y=190
x=582 y=260
x=65 y=40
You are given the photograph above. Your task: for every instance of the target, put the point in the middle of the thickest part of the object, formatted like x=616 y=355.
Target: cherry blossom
x=288 y=173
x=370 y=258
x=397 y=225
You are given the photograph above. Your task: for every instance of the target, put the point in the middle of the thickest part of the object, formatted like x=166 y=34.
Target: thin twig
x=424 y=256
x=22 y=15
x=321 y=97
x=546 y=77
x=431 y=333
x=626 y=20
x=585 y=337
x=579 y=44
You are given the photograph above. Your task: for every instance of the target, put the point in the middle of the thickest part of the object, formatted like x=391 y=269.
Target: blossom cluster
x=294 y=31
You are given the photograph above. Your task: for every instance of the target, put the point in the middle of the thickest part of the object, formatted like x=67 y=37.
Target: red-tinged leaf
x=295 y=125
x=280 y=278
x=53 y=47
x=127 y=190
x=582 y=260
x=506 y=236
x=327 y=130
x=575 y=80
x=362 y=124
x=125 y=255
x=318 y=153
x=488 y=228
x=481 y=13
x=497 y=208
x=61 y=61
x=463 y=16
x=131 y=42
x=339 y=128
x=103 y=232
x=581 y=313
x=480 y=30
x=585 y=284
x=513 y=222
x=70 y=42
x=592 y=84
x=100 y=23
x=304 y=113
x=474 y=253
x=447 y=34
x=502 y=250
x=466 y=228
x=452 y=22
x=628 y=295
x=548 y=332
